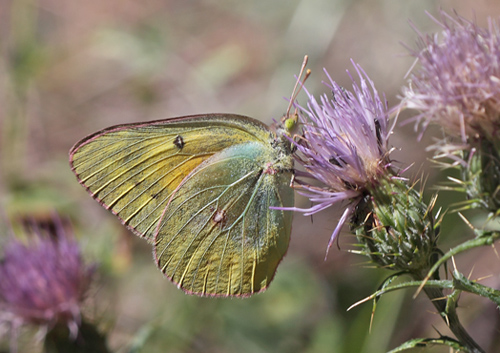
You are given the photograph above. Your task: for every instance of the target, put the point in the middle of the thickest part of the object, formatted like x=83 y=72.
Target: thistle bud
x=395 y=228
x=481 y=177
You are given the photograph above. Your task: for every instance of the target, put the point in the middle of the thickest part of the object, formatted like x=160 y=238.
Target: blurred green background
x=70 y=68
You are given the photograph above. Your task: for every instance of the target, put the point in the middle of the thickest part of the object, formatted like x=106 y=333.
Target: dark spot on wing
x=179 y=142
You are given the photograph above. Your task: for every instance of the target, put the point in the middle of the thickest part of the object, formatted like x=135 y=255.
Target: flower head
x=457 y=86
x=45 y=281
x=457 y=82
x=344 y=146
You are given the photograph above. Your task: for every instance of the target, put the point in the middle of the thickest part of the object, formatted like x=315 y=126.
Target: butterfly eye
x=290 y=123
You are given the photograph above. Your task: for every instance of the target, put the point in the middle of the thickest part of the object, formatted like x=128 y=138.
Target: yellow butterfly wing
x=143 y=172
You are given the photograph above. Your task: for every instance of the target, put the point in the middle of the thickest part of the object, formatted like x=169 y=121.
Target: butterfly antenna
x=298 y=84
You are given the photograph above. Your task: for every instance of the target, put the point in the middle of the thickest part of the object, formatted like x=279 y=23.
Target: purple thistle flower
x=43 y=282
x=457 y=83
x=457 y=86
x=344 y=146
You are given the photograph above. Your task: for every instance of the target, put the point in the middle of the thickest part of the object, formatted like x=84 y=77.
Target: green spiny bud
x=481 y=177
x=395 y=228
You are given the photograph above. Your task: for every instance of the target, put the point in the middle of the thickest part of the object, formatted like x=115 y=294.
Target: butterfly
x=202 y=190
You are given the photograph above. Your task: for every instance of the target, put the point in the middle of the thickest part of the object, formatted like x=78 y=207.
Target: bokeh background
x=69 y=68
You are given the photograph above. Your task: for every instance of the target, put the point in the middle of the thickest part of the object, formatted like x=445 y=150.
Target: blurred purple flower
x=344 y=146
x=457 y=86
x=43 y=282
x=457 y=82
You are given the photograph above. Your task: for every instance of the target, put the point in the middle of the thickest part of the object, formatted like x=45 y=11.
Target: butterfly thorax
x=283 y=149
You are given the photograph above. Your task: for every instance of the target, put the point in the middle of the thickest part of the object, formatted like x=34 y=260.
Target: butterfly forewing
x=218 y=235
x=133 y=169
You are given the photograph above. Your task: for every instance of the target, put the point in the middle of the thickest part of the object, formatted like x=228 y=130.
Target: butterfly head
x=285 y=131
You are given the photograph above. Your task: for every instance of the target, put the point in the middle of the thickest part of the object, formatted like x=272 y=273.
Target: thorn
x=466 y=221
x=454 y=264
x=495 y=250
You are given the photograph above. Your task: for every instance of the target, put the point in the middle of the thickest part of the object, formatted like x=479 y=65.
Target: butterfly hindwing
x=218 y=235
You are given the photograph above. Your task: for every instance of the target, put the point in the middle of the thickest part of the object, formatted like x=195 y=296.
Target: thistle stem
x=446 y=308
